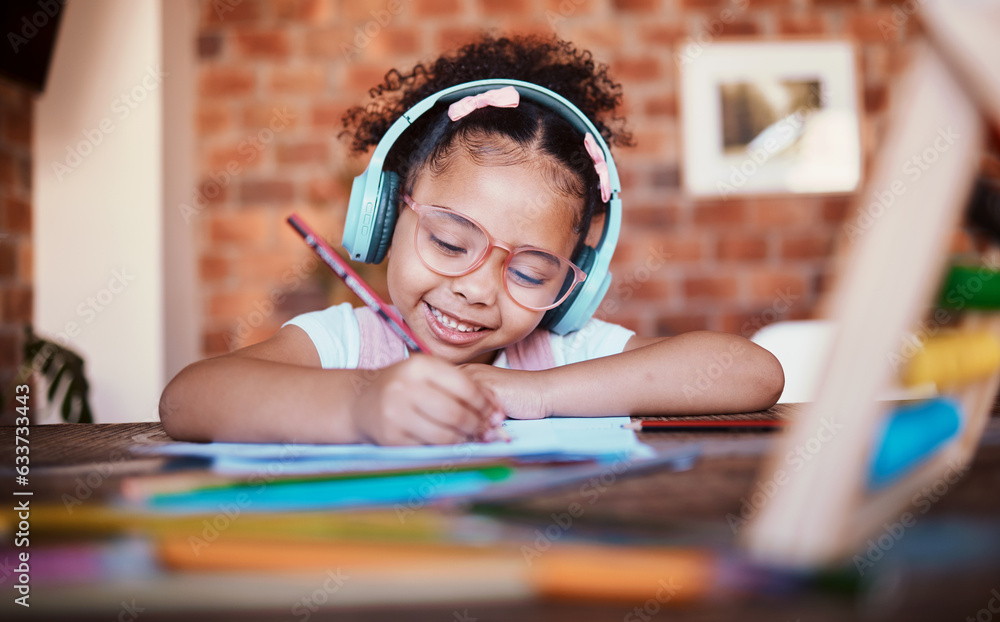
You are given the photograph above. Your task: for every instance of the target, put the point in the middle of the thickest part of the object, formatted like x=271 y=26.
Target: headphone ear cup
x=385 y=216
x=585 y=261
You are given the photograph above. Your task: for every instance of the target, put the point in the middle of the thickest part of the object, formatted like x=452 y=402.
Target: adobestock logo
x=901 y=13
x=250 y=149
x=666 y=590
x=121 y=108
x=29 y=27
x=795 y=460
x=877 y=546
x=222 y=7
x=693 y=47
x=705 y=378
x=986 y=613
x=565 y=9
x=310 y=604
x=363 y=36
x=912 y=169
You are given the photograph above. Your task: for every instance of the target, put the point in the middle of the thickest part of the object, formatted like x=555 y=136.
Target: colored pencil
x=564 y=570
x=357 y=284
x=92 y=519
x=364 y=291
x=143 y=488
x=713 y=425
x=335 y=493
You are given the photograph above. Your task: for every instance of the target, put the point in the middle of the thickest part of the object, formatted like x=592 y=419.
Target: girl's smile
x=453 y=330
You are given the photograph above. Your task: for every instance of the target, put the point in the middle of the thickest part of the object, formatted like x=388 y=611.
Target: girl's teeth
x=447 y=321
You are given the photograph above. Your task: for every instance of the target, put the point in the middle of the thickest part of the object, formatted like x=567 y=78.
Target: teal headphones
x=374 y=203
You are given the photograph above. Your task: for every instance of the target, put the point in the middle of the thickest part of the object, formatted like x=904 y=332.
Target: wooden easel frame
x=823 y=511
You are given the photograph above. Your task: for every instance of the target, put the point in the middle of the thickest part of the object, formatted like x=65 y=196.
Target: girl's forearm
x=242 y=399
x=693 y=373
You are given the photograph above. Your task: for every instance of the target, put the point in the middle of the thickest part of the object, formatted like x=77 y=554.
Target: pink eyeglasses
x=451 y=244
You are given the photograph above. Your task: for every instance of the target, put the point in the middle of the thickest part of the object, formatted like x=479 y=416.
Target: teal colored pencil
x=330 y=494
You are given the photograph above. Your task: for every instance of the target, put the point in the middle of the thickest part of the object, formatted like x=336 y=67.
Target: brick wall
x=275 y=78
x=15 y=232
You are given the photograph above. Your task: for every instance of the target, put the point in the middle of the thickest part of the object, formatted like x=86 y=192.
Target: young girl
x=496 y=193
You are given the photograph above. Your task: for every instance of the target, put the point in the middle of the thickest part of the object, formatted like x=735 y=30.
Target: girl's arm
x=276 y=391
x=693 y=373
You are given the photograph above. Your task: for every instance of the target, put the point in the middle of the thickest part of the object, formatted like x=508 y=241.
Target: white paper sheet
x=560 y=438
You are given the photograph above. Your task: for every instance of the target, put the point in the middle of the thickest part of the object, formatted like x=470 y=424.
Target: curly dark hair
x=512 y=135
x=553 y=63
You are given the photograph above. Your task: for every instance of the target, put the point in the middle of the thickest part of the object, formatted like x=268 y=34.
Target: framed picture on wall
x=770 y=118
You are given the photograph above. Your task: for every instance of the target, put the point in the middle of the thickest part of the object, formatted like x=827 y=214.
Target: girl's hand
x=423 y=401
x=521 y=394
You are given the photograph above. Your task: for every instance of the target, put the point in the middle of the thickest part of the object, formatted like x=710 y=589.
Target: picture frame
x=770 y=118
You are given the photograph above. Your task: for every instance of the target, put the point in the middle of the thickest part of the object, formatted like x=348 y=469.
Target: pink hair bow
x=506 y=97
x=599 y=165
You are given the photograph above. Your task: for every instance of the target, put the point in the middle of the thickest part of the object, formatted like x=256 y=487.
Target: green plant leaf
x=54 y=381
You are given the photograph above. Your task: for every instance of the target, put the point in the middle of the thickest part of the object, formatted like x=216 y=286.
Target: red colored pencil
x=364 y=291
x=354 y=281
x=703 y=425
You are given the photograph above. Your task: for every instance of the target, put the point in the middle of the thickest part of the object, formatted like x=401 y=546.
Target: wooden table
x=943 y=567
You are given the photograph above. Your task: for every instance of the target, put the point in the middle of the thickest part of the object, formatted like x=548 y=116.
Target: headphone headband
x=369 y=221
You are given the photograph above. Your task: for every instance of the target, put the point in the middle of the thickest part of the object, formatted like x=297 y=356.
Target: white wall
x=181 y=328
x=99 y=201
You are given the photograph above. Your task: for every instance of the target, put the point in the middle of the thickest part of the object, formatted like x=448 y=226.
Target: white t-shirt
x=335 y=333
